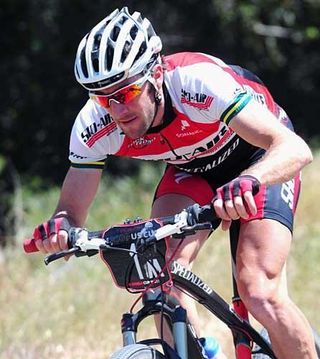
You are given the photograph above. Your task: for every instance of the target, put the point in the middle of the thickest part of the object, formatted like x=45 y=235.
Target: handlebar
x=82 y=242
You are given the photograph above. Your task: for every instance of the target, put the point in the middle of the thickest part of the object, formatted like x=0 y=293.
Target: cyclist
x=224 y=139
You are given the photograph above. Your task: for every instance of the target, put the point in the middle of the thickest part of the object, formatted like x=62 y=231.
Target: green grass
x=72 y=309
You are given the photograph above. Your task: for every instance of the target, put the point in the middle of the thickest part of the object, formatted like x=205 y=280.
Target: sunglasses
x=123 y=95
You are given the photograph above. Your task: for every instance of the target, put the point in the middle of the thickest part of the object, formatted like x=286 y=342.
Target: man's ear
x=157 y=74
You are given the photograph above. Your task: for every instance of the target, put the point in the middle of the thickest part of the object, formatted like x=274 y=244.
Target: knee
x=262 y=299
x=188 y=251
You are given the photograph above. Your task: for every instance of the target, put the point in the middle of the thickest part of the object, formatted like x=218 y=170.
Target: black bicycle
x=135 y=253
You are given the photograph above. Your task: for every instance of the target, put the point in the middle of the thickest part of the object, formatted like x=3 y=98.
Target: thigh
x=263 y=241
x=262 y=252
x=178 y=190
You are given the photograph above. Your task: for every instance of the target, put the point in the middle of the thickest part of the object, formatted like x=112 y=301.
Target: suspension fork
x=152 y=304
x=242 y=342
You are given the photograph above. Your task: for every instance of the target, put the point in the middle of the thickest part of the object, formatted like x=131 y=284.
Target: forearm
x=78 y=191
x=286 y=153
x=282 y=161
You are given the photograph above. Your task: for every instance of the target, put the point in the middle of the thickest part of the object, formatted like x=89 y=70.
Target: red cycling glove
x=238 y=186
x=53 y=226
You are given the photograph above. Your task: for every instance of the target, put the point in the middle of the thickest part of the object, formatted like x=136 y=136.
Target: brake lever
x=203 y=226
x=197 y=227
x=54 y=256
x=189 y=230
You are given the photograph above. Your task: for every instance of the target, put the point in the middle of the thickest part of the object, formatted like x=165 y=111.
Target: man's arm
x=286 y=153
x=78 y=191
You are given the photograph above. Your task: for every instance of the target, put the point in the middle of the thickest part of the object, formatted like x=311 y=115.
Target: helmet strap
x=158 y=100
x=157 y=97
x=157 y=93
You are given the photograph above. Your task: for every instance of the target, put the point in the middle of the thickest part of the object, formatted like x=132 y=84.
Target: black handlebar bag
x=134 y=262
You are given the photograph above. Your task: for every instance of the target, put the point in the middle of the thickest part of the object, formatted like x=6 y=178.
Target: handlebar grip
x=29 y=246
x=207 y=214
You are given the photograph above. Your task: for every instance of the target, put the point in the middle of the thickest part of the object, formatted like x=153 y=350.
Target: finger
x=231 y=210
x=240 y=207
x=55 y=243
x=226 y=192
x=219 y=209
x=63 y=240
x=47 y=246
x=52 y=227
x=225 y=225
x=249 y=200
x=39 y=245
x=41 y=232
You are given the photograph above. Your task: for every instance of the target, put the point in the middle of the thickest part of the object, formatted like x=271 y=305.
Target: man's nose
x=118 y=109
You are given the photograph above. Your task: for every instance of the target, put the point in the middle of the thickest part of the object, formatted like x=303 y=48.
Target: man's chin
x=134 y=135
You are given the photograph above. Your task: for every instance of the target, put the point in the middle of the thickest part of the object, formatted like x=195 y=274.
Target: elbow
x=306 y=156
x=309 y=157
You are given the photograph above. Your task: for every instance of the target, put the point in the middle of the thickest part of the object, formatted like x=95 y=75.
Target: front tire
x=137 y=351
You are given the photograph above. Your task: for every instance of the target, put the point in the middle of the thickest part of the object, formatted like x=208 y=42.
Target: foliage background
x=279 y=40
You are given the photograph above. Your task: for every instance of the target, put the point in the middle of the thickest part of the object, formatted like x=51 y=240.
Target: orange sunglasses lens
x=122 y=96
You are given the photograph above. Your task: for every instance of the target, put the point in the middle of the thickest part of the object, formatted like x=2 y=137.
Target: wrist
x=252 y=175
x=63 y=215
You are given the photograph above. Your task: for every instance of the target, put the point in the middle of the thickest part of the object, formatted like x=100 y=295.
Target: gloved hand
x=235 y=199
x=52 y=235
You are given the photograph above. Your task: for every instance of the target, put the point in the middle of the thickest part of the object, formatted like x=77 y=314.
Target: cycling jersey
x=202 y=96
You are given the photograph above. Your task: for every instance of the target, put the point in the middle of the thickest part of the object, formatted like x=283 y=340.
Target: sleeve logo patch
x=198 y=100
x=98 y=129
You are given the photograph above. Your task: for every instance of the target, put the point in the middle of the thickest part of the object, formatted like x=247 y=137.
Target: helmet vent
x=126 y=49
x=95 y=52
x=123 y=20
x=133 y=32
x=96 y=42
x=83 y=62
x=139 y=19
x=109 y=57
x=115 y=33
x=141 y=51
x=150 y=32
x=95 y=61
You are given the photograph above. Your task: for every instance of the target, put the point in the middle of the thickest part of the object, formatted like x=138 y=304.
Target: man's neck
x=158 y=120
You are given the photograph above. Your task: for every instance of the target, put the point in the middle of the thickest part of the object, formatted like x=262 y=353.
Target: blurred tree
x=10 y=204
x=280 y=41
x=39 y=100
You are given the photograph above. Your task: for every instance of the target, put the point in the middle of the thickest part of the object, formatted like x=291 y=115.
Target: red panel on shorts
x=179 y=182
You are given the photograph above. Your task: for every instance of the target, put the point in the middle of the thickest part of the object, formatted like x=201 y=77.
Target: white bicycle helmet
x=119 y=47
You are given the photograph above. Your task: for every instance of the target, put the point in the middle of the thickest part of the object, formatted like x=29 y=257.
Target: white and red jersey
x=202 y=95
